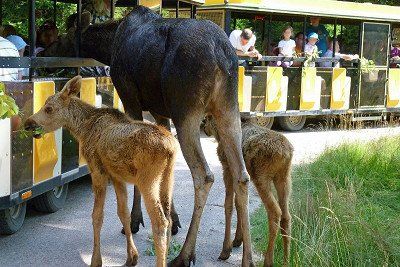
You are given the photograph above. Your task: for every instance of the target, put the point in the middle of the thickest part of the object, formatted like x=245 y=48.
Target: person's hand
x=259 y=56
x=347 y=57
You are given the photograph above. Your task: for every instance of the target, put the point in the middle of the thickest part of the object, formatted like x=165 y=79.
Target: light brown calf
x=124 y=151
x=268 y=157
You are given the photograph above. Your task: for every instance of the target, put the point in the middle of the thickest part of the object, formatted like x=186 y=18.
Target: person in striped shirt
x=8 y=49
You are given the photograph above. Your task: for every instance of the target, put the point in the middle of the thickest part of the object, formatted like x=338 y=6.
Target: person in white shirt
x=8 y=49
x=286 y=46
x=244 y=42
x=338 y=55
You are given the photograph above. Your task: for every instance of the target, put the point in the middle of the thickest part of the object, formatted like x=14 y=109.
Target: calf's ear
x=72 y=87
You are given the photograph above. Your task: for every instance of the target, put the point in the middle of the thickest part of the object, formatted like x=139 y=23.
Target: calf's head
x=56 y=111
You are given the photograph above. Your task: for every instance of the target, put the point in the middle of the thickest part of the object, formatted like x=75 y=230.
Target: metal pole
x=227 y=26
x=194 y=11
x=304 y=32
x=55 y=12
x=112 y=9
x=334 y=41
x=177 y=9
x=32 y=33
x=78 y=28
x=269 y=33
x=191 y=11
x=1 y=12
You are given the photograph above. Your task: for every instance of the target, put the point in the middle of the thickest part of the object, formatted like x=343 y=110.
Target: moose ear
x=72 y=87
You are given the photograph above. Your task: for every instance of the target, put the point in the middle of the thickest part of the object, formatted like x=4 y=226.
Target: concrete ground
x=65 y=237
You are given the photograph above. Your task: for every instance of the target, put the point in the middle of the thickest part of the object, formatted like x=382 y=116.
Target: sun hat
x=312 y=35
x=17 y=41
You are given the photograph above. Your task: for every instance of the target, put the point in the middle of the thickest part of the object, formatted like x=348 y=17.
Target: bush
x=345 y=208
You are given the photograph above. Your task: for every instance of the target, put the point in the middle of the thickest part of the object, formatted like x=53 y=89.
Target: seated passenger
x=286 y=46
x=338 y=55
x=395 y=53
x=20 y=45
x=244 y=42
x=299 y=40
x=8 y=49
x=46 y=35
x=311 y=49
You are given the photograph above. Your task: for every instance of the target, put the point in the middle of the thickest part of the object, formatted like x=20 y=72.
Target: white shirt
x=8 y=49
x=287 y=47
x=236 y=41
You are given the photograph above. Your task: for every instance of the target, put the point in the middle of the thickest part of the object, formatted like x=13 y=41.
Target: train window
x=375 y=42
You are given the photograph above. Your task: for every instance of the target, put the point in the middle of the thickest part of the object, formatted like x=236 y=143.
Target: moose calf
x=268 y=157
x=119 y=149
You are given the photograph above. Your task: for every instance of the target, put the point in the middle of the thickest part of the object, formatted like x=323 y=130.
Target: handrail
x=48 y=62
x=295 y=59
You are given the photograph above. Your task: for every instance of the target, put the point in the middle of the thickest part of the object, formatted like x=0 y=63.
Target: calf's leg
x=188 y=130
x=238 y=240
x=229 y=195
x=123 y=214
x=159 y=222
x=99 y=185
x=283 y=187
x=274 y=216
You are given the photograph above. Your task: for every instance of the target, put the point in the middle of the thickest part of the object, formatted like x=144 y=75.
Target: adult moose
x=180 y=69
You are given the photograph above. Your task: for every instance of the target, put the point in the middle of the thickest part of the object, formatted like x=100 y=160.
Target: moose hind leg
x=123 y=214
x=189 y=138
x=230 y=135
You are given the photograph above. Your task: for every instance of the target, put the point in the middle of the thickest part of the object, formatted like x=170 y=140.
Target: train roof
x=323 y=8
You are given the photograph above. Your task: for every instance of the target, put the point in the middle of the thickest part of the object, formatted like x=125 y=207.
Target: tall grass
x=345 y=208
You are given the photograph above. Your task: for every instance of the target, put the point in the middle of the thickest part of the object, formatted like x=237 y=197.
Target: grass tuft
x=345 y=208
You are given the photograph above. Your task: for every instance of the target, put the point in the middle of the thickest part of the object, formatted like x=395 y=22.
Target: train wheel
x=292 y=123
x=51 y=201
x=264 y=121
x=12 y=219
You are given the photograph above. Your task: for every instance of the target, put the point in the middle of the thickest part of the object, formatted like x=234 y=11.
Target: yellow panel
x=393 y=97
x=338 y=96
x=274 y=89
x=240 y=86
x=152 y=4
x=45 y=151
x=117 y=102
x=307 y=99
x=88 y=95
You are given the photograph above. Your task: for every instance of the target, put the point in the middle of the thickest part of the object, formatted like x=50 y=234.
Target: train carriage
x=40 y=170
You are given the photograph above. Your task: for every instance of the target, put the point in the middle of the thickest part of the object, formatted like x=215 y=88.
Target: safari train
x=40 y=170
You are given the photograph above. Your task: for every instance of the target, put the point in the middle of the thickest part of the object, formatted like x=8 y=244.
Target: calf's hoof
x=237 y=242
x=225 y=254
x=132 y=261
x=182 y=261
x=96 y=263
x=244 y=178
x=175 y=225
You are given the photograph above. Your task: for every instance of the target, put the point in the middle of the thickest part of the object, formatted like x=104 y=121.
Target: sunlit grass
x=345 y=208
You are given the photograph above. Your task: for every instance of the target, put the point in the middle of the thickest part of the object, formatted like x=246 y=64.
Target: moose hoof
x=181 y=261
x=135 y=224
x=237 y=242
x=225 y=254
x=175 y=226
x=132 y=261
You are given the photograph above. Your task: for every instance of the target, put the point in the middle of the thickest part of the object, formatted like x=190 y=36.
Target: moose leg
x=230 y=133
x=238 y=240
x=274 y=217
x=123 y=214
x=130 y=100
x=189 y=139
x=159 y=223
x=174 y=215
x=99 y=185
x=283 y=193
x=229 y=195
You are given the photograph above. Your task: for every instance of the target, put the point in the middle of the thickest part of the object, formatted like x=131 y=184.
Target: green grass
x=345 y=208
x=173 y=251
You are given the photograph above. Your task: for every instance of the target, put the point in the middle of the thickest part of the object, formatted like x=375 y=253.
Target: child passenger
x=311 y=46
x=286 y=46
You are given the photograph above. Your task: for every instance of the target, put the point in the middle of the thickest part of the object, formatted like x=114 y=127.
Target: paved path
x=65 y=237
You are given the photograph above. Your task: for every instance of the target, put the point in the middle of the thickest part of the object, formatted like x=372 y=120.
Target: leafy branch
x=8 y=107
x=367 y=65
